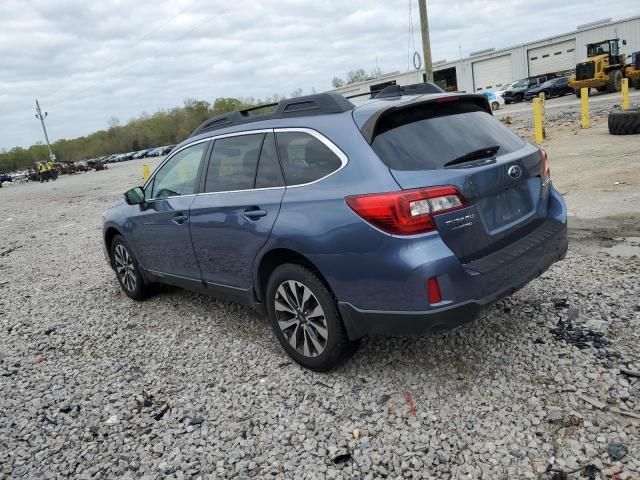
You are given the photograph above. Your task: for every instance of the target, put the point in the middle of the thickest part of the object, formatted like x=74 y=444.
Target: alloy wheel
x=125 y=268
x=301 y=318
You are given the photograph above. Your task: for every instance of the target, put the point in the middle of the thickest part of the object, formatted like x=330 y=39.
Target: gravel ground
x=94 y=385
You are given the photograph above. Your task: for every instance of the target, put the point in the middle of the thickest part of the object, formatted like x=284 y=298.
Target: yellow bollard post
x=145 y=171
x=584 y=97
x=625 y=94
x=537 y=121
x=542 y=112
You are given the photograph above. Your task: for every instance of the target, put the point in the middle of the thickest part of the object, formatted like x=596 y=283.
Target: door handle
x=179 y=219
x=254 y=213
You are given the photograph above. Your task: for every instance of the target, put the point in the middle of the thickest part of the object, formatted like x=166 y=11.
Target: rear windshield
x=429 y=136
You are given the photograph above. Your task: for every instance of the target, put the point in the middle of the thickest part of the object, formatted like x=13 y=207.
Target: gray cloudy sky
x=89 y=60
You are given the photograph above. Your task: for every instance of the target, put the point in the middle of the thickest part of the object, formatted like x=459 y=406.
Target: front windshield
x=597 y=49
x=520 y=83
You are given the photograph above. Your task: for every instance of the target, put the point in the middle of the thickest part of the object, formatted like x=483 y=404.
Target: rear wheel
x=305 y=319
x=614 y=84
x=127 y=269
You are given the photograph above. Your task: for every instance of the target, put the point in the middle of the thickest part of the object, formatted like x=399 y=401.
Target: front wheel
x=614 y=82
x=305 y=319
x=127 y=270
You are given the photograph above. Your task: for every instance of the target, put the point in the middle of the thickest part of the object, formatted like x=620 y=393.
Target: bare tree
x=113 y=122
x=296 y=93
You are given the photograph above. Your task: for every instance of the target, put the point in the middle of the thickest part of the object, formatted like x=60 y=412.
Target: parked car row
x=528 y=88
x=147 y=152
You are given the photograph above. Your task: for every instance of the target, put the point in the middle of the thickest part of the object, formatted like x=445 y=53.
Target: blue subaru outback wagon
x=404 y=215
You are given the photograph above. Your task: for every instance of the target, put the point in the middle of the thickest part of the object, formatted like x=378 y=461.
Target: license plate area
x=506 y=207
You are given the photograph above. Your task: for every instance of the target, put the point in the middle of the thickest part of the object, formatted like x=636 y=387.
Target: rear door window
x=233 y=164
x=429 y=136
x=304 y=158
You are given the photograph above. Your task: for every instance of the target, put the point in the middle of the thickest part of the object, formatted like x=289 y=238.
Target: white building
x=493 y=68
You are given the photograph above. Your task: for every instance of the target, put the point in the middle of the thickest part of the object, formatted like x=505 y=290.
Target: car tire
x=519 y=97
x=305 y=319
x=127 y=270
x=495 y=106
x=624 y=122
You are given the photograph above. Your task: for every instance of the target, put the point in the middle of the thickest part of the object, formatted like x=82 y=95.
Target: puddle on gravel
x=624 y=247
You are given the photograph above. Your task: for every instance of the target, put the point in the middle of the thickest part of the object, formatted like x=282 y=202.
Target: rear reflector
x=407 y=212
x=546 y=170
x=433 y=289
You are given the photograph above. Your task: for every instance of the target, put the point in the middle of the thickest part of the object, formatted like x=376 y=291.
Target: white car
x=495 y=100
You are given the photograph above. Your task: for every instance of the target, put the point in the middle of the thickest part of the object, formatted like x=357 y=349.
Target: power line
x=132 y=64
x=169 y=20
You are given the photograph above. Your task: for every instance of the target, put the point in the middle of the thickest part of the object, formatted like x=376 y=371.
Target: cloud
x=89 y=61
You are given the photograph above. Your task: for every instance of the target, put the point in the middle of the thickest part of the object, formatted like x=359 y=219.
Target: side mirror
x=135 y=196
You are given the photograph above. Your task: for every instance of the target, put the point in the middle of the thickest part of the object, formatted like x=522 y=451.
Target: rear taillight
x=544 y=159
x=407 y=212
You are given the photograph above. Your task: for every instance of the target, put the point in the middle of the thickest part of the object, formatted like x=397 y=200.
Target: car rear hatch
x=454 y=140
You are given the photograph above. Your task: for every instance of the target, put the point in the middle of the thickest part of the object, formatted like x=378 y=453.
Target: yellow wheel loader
x=632 y=72
x=603 y=70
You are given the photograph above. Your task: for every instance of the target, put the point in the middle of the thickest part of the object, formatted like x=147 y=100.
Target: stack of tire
x=625 y=122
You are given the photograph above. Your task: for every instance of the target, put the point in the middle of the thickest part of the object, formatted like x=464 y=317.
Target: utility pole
x=40 y=117
x=426 y=46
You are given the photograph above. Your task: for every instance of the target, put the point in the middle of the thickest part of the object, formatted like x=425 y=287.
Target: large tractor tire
x=614 y=84
x=625 y=122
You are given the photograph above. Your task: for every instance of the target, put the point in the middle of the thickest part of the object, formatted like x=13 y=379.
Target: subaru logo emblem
x=515 y=172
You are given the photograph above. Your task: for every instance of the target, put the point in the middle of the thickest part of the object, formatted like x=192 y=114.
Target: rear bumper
x=490 y=278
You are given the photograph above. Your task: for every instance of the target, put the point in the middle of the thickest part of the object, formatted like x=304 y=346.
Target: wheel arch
x=275 y=257
x=109 y=235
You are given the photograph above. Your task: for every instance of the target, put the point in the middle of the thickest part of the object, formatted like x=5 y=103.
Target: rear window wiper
x=485 y=152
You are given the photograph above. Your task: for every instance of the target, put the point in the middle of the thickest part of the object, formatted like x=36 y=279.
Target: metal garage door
x=493 y=73
x=552 y=58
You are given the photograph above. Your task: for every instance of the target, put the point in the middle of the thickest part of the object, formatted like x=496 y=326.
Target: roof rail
x=318 y=104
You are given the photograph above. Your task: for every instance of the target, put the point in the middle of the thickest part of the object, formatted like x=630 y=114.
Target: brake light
x=407 y=212
x=449 y=98
x=546 y=171
x=433 y=290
